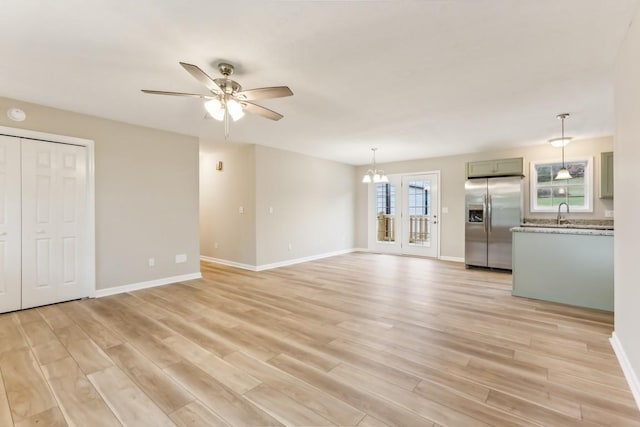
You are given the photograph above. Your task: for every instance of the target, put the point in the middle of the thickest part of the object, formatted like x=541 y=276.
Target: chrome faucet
x=558 y=219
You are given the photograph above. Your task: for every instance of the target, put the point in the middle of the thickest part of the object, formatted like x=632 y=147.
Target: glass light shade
x=560 y=142
x=234 y=107
x=236 y=115
x=376 y=177
x=215 y=109
x=366 y=179
x=384 y=178
x=563 y=174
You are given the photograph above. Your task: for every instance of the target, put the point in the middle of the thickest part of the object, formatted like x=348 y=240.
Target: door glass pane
x=419 y=210
x=385 y=212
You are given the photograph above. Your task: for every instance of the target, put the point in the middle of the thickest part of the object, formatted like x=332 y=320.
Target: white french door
x=404 y=215
x=43 y=215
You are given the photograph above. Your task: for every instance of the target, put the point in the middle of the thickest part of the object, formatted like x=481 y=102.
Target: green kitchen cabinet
x=500 y=167
x=606 y=175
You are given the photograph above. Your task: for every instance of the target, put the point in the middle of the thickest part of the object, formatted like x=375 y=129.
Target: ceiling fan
x=227 y=99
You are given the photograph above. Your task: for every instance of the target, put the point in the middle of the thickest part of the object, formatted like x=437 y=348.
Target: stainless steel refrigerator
x=493 y=206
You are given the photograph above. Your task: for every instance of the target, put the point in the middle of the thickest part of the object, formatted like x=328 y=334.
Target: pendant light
x=563 y=173
x=373 y=174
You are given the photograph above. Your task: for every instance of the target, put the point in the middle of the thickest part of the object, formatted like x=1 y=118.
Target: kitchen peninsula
x=570 y=264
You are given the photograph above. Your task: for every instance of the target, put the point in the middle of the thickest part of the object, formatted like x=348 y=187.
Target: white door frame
x=373 y=246
x=90 y=257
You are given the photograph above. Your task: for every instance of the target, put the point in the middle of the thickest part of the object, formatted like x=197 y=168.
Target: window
x=547 y=192
x=385 y=212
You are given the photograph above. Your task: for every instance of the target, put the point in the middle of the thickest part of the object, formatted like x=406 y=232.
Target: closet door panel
x=10 y=227
x=54 y=223
x=73 y=214
x=40 y=248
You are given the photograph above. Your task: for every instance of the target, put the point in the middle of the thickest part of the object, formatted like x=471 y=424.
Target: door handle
x=489 y=219
x=435 y=219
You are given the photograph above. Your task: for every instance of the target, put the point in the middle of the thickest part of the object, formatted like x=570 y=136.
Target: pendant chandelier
x=374 y=175
x=563 y=173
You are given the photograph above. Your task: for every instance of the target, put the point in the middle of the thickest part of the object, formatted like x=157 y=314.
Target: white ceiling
x=414 y=78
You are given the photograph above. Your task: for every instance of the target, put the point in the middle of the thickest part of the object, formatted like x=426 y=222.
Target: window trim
x=588 y=185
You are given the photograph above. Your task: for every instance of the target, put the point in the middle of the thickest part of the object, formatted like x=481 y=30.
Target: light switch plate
x=608 y=213
x=241 y=209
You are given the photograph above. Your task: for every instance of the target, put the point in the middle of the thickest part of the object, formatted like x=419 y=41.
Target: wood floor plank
x=11 y=337
x=51 y=418
x=417 y=403
x=230 y=406
x=386 y=411
x=371 y=422
x=168 y=395
x=283 y=408
x=234 y=378
x=78 y=399
x=5 y=411
x=101 y=334
x=129 y=404
x=195 y=414
x=324 y=404
x=88 y=355
x=27 y=391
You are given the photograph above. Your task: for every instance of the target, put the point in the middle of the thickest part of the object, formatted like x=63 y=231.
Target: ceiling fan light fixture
x=237 y=116
x=215 y=109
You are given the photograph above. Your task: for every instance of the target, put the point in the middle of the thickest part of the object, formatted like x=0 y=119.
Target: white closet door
x=10 y=229
x=54 y=180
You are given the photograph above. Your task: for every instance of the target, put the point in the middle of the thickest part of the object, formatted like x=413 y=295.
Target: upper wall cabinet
x=606 y=175
x=501 y=167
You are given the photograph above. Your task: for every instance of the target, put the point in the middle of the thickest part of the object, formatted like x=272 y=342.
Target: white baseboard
x=629 y=373
x=452 y=258
x=281 y=263
x=144 y=285
x=229 y=263
x=301 y=260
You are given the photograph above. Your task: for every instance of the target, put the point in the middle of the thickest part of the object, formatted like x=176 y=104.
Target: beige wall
x=222 y=193
x=452 y=178
x=146 y=193
x=627 y=198
x=313 y=203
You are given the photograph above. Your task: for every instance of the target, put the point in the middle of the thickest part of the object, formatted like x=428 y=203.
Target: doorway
x=404 y=215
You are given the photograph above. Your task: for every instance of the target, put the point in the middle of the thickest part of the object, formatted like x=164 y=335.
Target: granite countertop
x=564 y=229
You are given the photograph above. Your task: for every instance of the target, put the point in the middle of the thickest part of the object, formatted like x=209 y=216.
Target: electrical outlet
x=152 y=262
x=215 y=245
x=241 y=209
x=270 y=209
x=180 y=258
x=290 y=246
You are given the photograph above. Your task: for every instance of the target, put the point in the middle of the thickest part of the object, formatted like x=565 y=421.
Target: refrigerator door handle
x=489 y=219
x=484 y=212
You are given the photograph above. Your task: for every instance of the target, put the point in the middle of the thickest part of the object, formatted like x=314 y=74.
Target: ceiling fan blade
x=162 y=92
x=257 y=109
x=264 y=93
x=202 y=77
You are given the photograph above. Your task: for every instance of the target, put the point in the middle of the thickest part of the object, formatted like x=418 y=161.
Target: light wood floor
x=360 y=339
